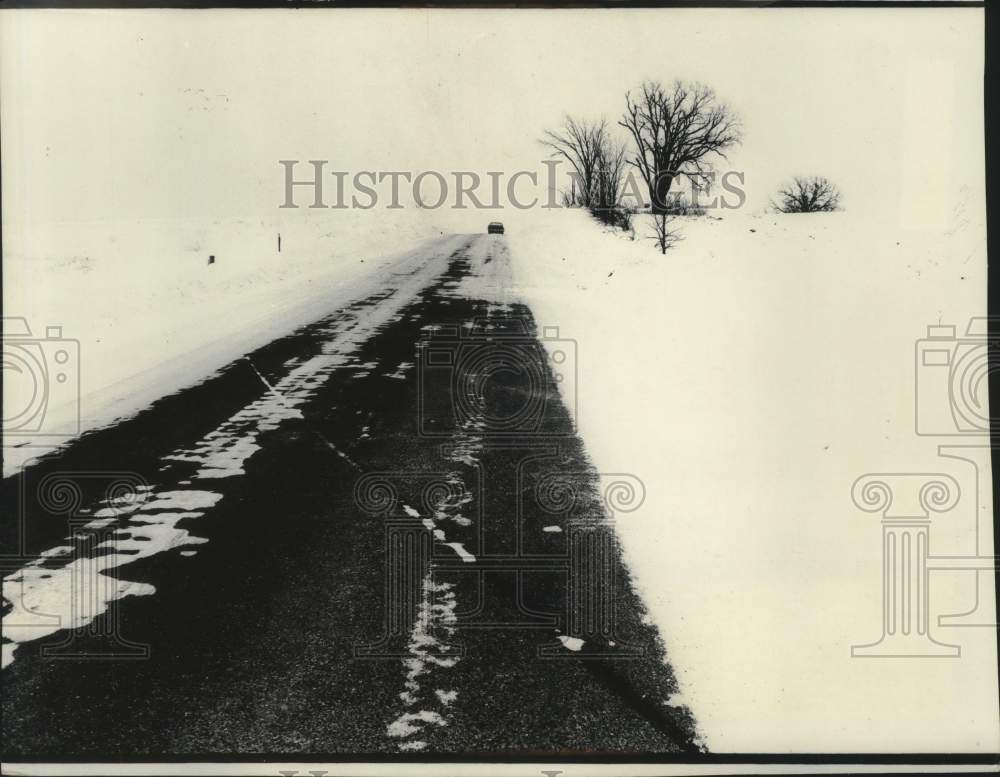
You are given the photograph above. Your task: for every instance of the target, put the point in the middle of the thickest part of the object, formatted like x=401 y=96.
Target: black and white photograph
x=479 y=390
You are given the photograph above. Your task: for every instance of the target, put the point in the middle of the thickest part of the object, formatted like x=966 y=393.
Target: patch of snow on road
x=428 y=655
x=412 y=723
x=46 y=597
x=400 y=373
x=571 y=643
x=438 y=605
x=446 y=697
x=459 y=549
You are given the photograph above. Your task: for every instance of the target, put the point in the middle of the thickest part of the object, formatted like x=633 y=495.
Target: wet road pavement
x=378 y=535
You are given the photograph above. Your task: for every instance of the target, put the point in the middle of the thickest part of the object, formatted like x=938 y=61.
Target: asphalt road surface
x=378 y=535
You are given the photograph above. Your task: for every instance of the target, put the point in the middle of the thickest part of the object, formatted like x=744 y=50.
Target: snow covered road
x=378 y=534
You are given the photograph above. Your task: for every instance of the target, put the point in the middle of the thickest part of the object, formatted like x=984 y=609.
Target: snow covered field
x=151 y=315
x=748 y=377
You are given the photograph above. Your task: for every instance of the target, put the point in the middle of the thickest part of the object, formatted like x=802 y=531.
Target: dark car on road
x=495 y=228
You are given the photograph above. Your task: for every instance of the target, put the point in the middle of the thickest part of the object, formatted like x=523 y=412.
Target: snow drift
x=748 y=377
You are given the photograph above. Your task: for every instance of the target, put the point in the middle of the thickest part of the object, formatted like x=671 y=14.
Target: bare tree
x=578 y=141
x=809 y=194
x=677 y=132
x=599 y=161
x=664 y=232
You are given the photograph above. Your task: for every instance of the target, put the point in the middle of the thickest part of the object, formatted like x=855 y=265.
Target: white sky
x=112 y=114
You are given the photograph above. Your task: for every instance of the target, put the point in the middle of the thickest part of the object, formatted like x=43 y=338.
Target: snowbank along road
x=379 y=534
